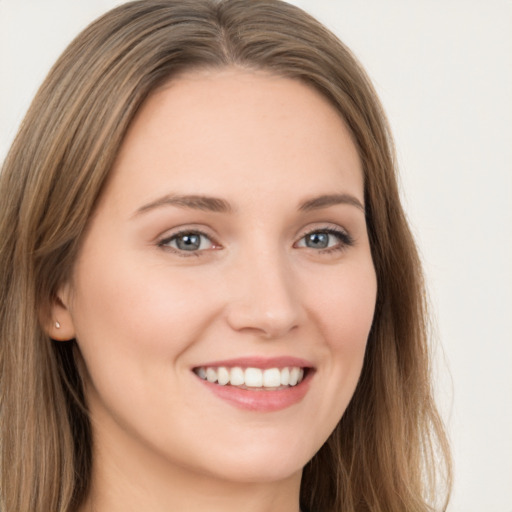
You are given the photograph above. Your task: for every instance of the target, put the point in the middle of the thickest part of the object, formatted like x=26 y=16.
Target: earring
x=57 y=325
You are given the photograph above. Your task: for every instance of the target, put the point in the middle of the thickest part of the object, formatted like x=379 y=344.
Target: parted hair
x=389 y=452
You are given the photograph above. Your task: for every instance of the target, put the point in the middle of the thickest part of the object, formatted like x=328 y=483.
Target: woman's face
x=230 y=241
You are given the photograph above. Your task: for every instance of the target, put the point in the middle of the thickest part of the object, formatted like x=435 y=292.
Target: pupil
x=188 y=242
x=318 y=240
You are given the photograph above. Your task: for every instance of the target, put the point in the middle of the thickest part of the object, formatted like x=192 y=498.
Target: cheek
x=133 y=323
x=345 y=307
x=343 y=310
x=134 y=313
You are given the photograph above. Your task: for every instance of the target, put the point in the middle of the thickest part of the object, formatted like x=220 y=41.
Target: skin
x=144 y=314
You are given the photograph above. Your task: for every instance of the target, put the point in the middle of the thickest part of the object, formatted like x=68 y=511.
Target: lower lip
x=261 y=400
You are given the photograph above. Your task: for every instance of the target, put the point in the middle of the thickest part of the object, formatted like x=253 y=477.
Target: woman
x=210 y=296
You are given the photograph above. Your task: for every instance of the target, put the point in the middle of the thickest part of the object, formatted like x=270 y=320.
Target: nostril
x=264 y=322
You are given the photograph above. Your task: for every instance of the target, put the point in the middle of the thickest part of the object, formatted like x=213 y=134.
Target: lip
x=260 y=400
x=260 y=362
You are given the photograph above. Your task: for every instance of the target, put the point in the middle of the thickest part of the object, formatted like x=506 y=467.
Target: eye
x=328 y=239
x=188 y=241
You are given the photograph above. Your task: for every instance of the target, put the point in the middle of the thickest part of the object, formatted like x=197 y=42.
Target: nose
x=265 y=300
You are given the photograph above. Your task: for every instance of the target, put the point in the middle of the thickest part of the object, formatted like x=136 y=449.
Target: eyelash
x=344 y=239
x=181 y=252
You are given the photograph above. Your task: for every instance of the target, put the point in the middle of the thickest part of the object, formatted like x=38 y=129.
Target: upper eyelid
x=344 y=236
x=183 y=230
x=206 y=231
x=330 y=227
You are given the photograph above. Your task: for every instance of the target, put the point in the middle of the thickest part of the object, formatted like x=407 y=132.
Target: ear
x=59 y=322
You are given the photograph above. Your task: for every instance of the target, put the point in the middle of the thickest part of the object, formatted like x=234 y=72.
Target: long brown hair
x=387 y=450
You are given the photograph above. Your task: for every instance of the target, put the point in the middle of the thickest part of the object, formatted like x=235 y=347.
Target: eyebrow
x=325 y=201
x=194 y=202
x=218 y=205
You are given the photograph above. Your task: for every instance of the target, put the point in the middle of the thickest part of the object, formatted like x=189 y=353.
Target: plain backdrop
x=443 y=69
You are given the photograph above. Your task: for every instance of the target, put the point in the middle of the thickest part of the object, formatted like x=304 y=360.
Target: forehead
x=213 y=130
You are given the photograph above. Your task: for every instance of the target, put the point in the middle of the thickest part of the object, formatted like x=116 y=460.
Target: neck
x=125 y=479
x=195 y=494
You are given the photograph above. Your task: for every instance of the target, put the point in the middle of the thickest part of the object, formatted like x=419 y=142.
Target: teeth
x=236 y=377
x=272 y=378
x=294 y=376
x=211 y=374
x=222 y=376
x=252 y=377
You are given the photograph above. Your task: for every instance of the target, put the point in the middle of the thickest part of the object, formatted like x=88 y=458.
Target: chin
x=260 y=460
x=260 y=471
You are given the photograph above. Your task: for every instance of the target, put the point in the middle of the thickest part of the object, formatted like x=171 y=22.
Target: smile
x=252 y=378
x=258 y=384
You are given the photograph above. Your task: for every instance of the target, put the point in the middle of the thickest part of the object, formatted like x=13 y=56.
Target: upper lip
x=259 y=362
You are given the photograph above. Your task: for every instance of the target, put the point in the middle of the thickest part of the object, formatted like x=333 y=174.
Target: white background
x=443 y=71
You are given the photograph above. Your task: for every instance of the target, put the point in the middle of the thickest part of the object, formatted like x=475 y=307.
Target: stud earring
x=57 y=325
